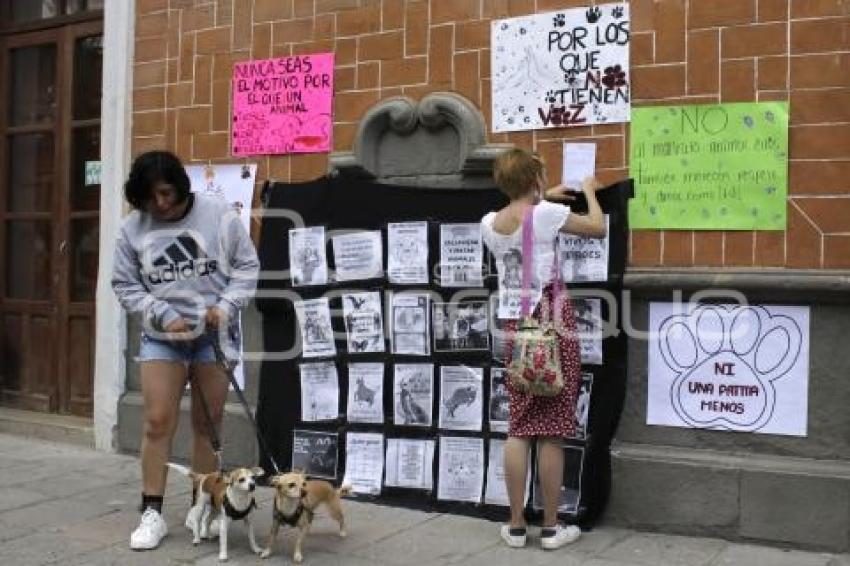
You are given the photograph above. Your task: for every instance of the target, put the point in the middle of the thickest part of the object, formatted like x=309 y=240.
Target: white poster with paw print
x=741 y=368
x=564 y=68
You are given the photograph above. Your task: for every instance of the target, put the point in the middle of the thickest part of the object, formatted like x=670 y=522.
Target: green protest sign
x=710 y=167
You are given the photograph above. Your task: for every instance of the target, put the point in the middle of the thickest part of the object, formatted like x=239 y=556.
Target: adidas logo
x=183 y=259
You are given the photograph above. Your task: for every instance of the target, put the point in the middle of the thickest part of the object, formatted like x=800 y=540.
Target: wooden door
x=49 y=216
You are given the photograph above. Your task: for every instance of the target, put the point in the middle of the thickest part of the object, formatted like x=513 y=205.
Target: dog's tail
x=344 y=490
x=183 y=470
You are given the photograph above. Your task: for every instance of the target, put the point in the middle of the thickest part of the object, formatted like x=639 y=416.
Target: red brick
x=737 y=81
x=454 y=10
x=357 y=22
x=221 y=113
x=820 y=36
x=173 y=35
x=836 y=252
x=368 y=75
x=187 y=57
x=754 y=40
x=773 y=10
x=284 y=50
x=803 y=248
x=278 y=166
x=818 y=177
x=151 y=49
x=409 y=71
x=271 y=10
x=152 y=25
x=179 y=94
x=389 y=45
x=304 y=8
x=669 y=31
x=678 y=248
x=392 y=15
x=308 y=166
x=416 y=28
x=223 y=64
x=318 y=46
x=738 y=249
x=149 y=74
x=261 y=47
x=201 y=17
x=344 y=78
x=814 y=71
x=816 y=8
x=467 y=75
x=642 y=49
x=203 y=79
x=487 y=107
x=350 y=106
x=171 y=127
x=552 y=5
x=243 y=22
x=172 y=71
x=770 y=248
x=440 y=55
x=147 y=6
x=642 y=14
x=820 y=106
x=224 y=13
x=773 y=96
x=336 y=5
x=149 y=98
x=472 y=35
x=148 y=143
x=484 y=63
x=212 y=41
x=773 y=73
x=344 y=136
x=326 y=26
x=497 y=9
x=830 y=215
x=820 y=142
x=345 y=51
x=183 y=147
x=194 y=120
x=708 y=248
x=293 y=31
x=658 y=81
x=713 y=13
x=645 y=248
x=210 y=146
x=148 y=123
x=703 y=62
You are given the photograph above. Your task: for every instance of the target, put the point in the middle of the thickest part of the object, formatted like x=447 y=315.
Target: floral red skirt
x=532 y=415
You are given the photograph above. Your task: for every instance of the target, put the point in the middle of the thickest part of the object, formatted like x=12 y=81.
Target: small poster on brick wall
x=232 y=182
x=564 y=68
x=283 y=105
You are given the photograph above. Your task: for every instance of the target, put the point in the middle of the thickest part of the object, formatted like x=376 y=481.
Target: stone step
x=47 y=426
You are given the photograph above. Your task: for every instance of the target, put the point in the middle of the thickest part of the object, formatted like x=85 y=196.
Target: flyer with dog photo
x=461 y=397
x=319 y=392
x=359 y=255
x=583 y=405
x=364 y=324
x=461 y=326
x=499 y=400
x=366 y=393
x=316 y=453
x=413 y=394
x=364 y=462
x=314 y=322
x=308 y=263
x=571 y=488
x=410 y=463
x=461 y=469
x=410 y=322
x=407 y=252
x=589 y=325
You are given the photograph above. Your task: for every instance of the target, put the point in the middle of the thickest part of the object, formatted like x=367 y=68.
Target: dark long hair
x=153 y=167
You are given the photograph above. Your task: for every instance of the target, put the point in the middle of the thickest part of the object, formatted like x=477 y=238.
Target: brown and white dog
x=230 y=495
x=295 y=502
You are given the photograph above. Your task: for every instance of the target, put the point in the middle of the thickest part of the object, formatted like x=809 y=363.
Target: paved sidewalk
x=63 y=504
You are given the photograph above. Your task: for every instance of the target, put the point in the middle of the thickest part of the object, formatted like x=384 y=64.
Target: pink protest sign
x=283 y=105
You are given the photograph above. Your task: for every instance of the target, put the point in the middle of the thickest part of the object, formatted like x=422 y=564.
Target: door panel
x=31 y=178
x=28 y=271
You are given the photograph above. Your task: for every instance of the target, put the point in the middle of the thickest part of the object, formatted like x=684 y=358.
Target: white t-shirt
x=549 y=217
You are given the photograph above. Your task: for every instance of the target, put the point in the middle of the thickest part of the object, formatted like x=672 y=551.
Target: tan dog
x=230 y=495
x=295 y=502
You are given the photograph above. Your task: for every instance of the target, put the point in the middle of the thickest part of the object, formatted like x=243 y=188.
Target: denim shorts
x=197 y=351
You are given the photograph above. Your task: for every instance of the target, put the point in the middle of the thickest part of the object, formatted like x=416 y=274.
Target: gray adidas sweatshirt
x=164 y=270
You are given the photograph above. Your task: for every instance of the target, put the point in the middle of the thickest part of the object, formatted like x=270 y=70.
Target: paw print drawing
x=617 y=12
x=559 y=21
x=726 y=360
x=614 y=77
x=549 y=97
x=593 y=15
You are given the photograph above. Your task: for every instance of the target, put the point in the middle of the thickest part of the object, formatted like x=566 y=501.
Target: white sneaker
x=149 y=533
x=562 y=535
x=516 y=539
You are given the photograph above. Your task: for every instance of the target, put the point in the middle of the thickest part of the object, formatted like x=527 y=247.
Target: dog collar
x=292 y=520
x=234 y=513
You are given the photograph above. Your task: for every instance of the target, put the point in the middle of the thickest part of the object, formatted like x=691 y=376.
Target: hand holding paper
x=579 y=163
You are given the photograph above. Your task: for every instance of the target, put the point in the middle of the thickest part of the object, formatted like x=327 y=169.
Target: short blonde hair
x=516 y=171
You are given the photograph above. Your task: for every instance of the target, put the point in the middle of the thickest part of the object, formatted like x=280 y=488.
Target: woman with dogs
x=185 y=263
x=547 y=420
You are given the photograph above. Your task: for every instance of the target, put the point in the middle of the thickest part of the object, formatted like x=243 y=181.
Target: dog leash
x=215 y=441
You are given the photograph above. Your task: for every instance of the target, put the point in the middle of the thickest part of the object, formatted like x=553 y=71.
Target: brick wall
x=683 y=51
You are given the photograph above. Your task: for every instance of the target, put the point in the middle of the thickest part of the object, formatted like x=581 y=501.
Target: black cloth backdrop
x=340 y=203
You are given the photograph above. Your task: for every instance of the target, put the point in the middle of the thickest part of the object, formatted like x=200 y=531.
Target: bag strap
x=527 y=260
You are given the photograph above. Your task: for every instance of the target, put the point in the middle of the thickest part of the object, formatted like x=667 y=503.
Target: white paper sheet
x=571 y=488
x=461 y=469
x=410 y=322
x=499 y=400
x=589 y=324
x=579 y=163
x=234 y=183
x=319 y=392
x=314 y=322
x=461 y=253
x=461 y=326
x=308 y=262
x=582 y=410
x=496 y=491
x=410 y=463
x=413 y=394
x=742 y=368
x=359 y=255
x=364 y=323
x=316 y=453
x=366 y=393
x=407 y=252
x=461 y=397
x=364 y=462
x=582 y=258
